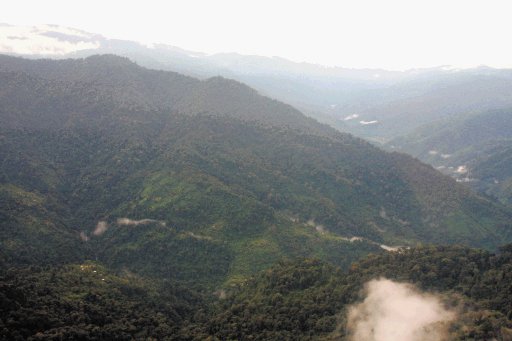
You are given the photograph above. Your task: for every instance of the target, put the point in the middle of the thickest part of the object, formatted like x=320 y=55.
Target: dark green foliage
x=161 y=252
x=84 y=302
x=240 y=180
x=31 y=233
x=205 y=184
x=294 y=300
x=288 y=302
x=219 y=183
x=307 y=299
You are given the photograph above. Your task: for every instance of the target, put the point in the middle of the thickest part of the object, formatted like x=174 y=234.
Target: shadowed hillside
x=217 y=181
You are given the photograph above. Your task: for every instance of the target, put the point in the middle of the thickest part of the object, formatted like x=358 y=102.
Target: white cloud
x=393 y=34
x=368 y=122
x=351 y=117
x=398 y=312
x=462 y=169
x=33 y=40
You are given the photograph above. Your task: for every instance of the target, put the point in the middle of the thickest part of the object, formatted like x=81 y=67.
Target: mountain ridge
x=250 y=178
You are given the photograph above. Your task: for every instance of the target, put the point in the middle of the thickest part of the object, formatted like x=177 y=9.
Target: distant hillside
x=406 y=106
x=476 y=149
x=375 y=104
x=204 y=182
x=118 y=82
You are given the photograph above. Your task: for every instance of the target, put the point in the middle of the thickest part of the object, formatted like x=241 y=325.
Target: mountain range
x=140 y=203
x=475 y=148
x=229 y=177
x=375 y=104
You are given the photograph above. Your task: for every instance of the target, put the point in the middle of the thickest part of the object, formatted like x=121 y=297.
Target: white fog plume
x=131 y=222
x=351 y=117
x=398 y=312
x=101 y=228
x=363 y=122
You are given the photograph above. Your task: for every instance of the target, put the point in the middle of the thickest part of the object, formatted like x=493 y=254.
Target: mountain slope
x=472 y=148
x=169 y=176
x=310 y=300
x=375 y=104
x=87 y=301
x=305 y=299
x=118 y=82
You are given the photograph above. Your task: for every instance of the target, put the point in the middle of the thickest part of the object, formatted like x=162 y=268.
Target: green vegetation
x=294 y=300
x=167 y=182
x=86 y=301
x=481 y=142
x=240 y=181
x=308 y=299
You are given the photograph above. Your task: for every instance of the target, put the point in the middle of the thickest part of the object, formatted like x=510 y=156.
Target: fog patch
x=466 y=179
x=351 y=117
x=462 y=169
x=84 y=237
x=394 y=311
x=221 y=294
x=101 y=227
x=45 y=40
x=318 y=228
x=353 y=239
x=390 y=248
x=368 y=122
x=383 y=214
x=131 y=222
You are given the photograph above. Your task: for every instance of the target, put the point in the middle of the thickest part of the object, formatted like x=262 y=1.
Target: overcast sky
x=391 y=34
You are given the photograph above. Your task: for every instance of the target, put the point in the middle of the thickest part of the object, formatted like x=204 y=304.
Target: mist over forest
x=282 y=189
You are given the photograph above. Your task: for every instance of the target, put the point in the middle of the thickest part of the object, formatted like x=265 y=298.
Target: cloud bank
x=44 y=40
x=398 y=312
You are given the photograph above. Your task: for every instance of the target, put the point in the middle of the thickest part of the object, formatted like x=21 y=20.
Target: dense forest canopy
x=141 y=204
x=294 y=300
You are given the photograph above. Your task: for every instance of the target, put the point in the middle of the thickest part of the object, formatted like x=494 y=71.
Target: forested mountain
x=137 y=203
x=230 y=181
x=87 y=301
x=403 y=107
x=473 y=148
x=375 y=104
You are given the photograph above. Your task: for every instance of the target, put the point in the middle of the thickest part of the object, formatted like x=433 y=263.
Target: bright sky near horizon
x=390 y=34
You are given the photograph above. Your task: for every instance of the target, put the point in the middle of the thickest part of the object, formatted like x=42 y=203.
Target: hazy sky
x=392 y=34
